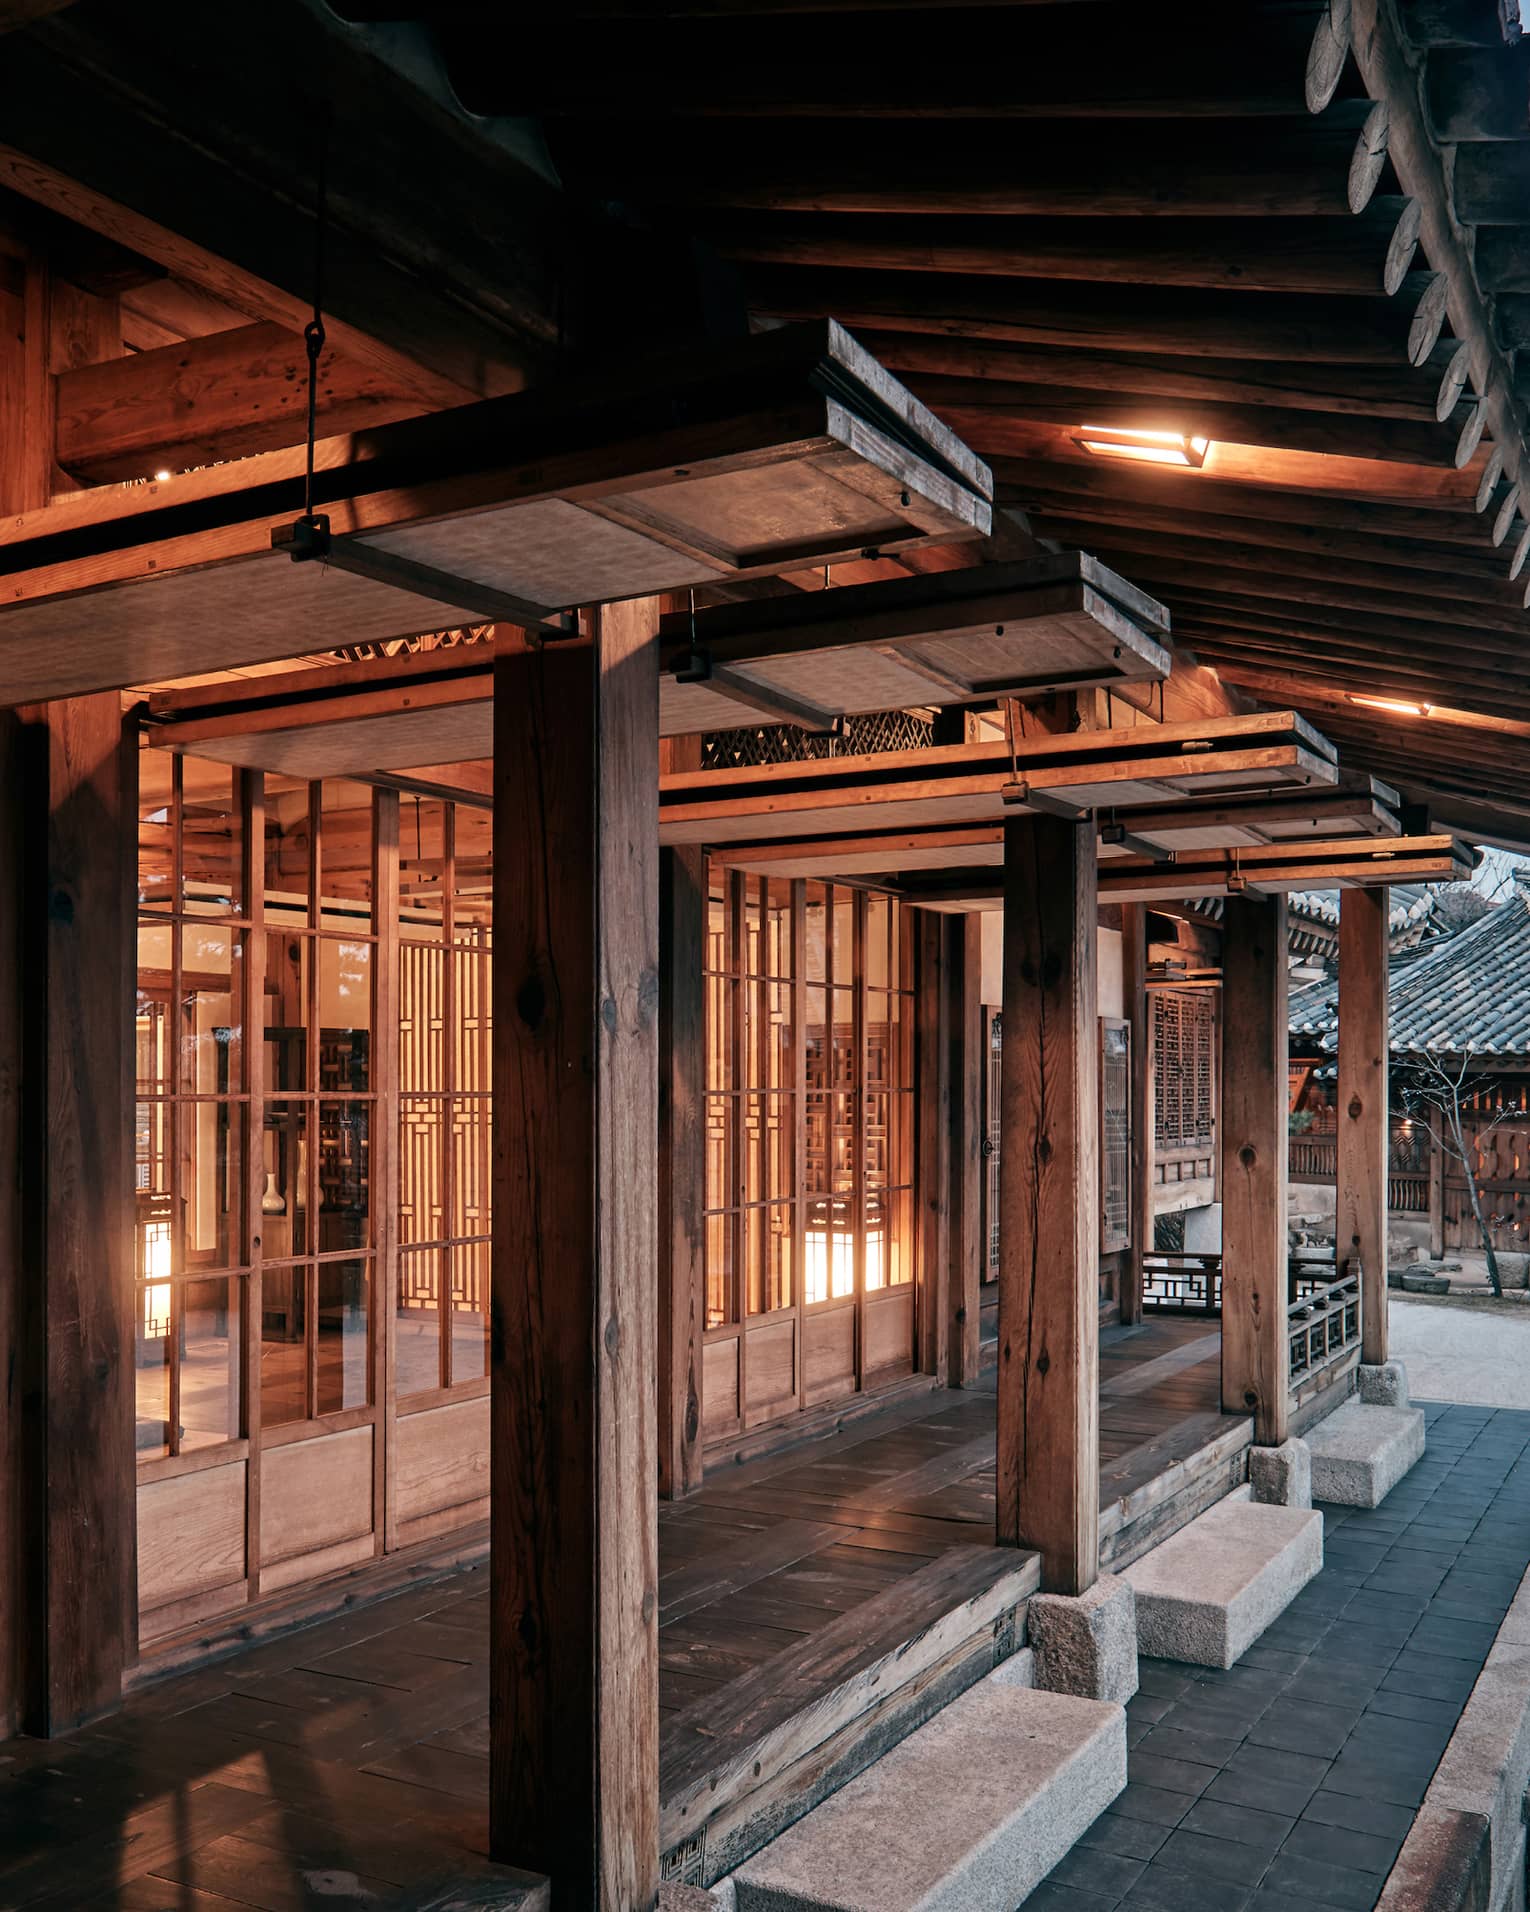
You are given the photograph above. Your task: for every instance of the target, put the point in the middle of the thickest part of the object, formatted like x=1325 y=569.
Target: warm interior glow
x=1397 y=704
x=1154 y=448
x=829 y=1263
x=156 y=1295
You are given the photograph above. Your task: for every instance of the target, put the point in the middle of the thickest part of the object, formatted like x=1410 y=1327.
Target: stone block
x=968 y=1814
x=686 y=1898
x=1208 y=1592
x=1360 y=1452
x=1385 y=1385
x=1281 y=1476
x=1426 y=1284
x=1086 y=1643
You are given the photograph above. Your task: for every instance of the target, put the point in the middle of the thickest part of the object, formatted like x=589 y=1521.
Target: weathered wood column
x=1134 y=946
x=1048 y=1474
x=573 y=1768
x=68 y=800
x=1360 y=1228
x=1253 y=1140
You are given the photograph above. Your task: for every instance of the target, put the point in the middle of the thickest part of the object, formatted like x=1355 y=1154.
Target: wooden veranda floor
x=814 y=1606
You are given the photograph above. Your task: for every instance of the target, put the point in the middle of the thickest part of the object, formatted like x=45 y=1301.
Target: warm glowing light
x=1394 y=704
x=829 y=1263
x=156 y=1293
x=1154 y=448
x=161 y=477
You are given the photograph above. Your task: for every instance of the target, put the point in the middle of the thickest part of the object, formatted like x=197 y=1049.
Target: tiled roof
x=1469 y=994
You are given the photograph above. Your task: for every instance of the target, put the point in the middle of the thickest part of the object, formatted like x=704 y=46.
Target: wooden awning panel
x=981 y=783
x=795 y=450
x=1187 y=831
x=1058 y=623
x=1269 y=872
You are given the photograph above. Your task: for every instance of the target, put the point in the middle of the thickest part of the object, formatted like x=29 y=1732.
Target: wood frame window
x=192 y=1108
x=1115 y=1134
x=809 y=1144
x=441 y=1321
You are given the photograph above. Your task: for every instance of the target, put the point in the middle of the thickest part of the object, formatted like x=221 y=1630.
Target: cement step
x=1208 y=1592
x=1360 y=1453
x=968 y=1814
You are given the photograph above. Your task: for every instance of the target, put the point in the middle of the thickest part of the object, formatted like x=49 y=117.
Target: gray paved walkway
x=1291 y=1780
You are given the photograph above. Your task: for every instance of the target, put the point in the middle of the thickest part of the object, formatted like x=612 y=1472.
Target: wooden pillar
x=573 y=1693
x=1436 y=1198
x=68 y=776
x=1134 y=942
x=933 y=1117
x=1252 y=1137
x=1361 y=1220
x=682 y=1168
x=963 y=971
x=1048 y=1455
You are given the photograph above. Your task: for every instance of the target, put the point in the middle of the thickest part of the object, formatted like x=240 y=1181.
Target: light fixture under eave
x=1399 y=706
x=1154 y=448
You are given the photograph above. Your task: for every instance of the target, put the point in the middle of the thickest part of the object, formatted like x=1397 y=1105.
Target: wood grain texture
x=1360 y=1230
x=574 y=1684
x=1048 y=1478
x=1252 y=1132
x=76 y=781
x=201 y=400
x=966 y=1062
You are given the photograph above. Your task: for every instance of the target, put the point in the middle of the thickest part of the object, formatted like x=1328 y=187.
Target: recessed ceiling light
x=1397 y=705
x=1154 y=448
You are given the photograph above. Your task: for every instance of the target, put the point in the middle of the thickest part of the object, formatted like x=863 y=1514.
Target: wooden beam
x=68 y=804
x=1069 y=171
x=1134 y=953
x=1048 y=1386
x=1175 y=322
x=222 y=396
x=682 y=1165
x=964 y=1030
x=1252 y=1142
x=1278 y=255
x=573 y=1770
x=1360 y=1227
x=1376 y=390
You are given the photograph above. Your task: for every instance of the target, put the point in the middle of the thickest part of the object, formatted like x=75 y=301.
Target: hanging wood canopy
x=1272 y=871
x=1166 y=832
x=1003 y=630
x=794 y=448
x=982 y=783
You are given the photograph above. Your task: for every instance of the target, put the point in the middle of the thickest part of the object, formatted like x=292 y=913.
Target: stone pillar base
x=1281 y=1476
x=1086 y=1643
x=1385 y=1385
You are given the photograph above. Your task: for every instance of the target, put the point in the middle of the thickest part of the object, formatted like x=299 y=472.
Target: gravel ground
x=1475 y=1351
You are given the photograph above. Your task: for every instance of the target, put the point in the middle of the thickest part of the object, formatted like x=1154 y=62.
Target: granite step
x=1361 y=1452
x=1207 y=1592
x=968 y=1814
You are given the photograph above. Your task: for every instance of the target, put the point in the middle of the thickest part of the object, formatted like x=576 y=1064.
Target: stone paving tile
x=1290 y=1781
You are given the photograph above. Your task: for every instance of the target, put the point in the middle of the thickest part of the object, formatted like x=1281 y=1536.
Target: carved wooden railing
x=1181 y=1282
x=1323 y=1318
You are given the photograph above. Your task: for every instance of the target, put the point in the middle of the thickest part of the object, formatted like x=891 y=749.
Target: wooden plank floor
x=346 y=1764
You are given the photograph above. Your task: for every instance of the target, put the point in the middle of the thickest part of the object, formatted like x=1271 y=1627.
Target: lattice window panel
x=1184 y=1071
x=1115 y=1134
x=866 y=736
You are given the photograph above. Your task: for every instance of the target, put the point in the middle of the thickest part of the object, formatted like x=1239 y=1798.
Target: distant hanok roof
x=1469 y=995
